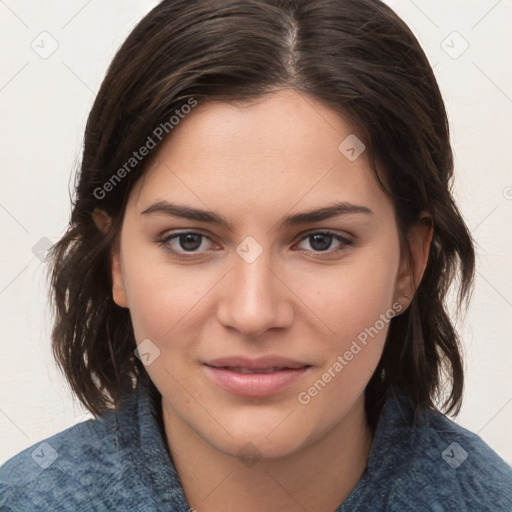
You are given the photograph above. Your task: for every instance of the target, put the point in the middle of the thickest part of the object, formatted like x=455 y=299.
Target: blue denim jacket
x=120 y=462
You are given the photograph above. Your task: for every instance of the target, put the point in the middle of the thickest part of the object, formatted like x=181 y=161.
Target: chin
x=252 y=442
x=251 y=451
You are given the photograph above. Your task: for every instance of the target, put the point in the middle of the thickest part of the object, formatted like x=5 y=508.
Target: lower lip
x=255 y=384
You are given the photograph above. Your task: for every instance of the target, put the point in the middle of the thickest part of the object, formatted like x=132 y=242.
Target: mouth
x=240 y=369
x=255 y=377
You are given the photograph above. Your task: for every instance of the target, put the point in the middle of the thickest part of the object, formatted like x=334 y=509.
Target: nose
x=255 y=298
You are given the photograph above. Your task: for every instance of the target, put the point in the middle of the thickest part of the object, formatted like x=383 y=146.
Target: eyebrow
x=186 y=212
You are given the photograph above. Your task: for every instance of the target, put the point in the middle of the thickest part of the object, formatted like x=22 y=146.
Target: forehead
x=283 y=149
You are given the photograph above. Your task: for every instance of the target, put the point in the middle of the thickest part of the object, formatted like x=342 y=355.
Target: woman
x=250 y=294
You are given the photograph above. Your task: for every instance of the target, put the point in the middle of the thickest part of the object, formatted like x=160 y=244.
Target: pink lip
x=226 y=372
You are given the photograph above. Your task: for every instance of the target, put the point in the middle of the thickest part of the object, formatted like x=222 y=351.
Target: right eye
x=184 y=242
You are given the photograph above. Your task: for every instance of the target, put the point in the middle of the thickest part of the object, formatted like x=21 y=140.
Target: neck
x=317 y=477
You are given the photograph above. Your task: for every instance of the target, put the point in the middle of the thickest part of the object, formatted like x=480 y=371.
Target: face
x=265 y=322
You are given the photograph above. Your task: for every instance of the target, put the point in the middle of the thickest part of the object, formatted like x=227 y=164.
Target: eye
x=185 y=242
x=190 y=243
x=321 y=241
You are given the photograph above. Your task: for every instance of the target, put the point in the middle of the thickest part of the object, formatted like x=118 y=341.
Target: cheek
x=352 y=298
x=162 y=298
x=358 y=308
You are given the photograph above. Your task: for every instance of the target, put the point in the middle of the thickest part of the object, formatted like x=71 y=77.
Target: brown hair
x=357 y=57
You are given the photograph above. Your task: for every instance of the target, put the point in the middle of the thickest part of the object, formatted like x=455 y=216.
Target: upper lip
x=260 y=363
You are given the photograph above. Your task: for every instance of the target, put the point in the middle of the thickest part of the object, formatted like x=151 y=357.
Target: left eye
x=321 y=241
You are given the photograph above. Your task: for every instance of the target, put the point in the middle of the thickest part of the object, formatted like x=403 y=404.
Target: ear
x=118 y=287
x=102 y=220
x=419 y=238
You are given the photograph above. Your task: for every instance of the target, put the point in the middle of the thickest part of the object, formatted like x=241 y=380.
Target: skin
x=253 y=165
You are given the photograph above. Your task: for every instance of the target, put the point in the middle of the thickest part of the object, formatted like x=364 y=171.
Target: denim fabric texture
x=120 y=462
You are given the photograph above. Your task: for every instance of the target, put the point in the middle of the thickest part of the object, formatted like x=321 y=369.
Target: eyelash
x=164 y=242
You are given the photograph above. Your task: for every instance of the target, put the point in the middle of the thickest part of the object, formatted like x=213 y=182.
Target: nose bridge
x=254 y=299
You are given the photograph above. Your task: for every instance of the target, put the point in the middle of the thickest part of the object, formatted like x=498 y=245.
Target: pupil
x=190 y=242
x=321 y=246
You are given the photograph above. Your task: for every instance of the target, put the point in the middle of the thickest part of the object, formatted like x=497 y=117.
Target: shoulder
x=441 y=466
x=62 y=469
x=117 y=461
